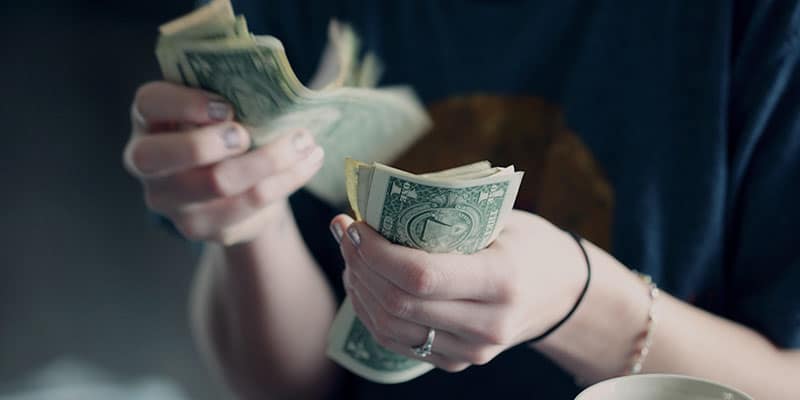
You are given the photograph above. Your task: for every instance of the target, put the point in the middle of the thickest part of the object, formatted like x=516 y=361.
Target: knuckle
x=139 y=158
x=495 y=332
x=397 y=303
x=381 y=325
x=481 y=356
x=190 y=110
x=350 y=257
x=487 y=335
x=261 y=196
x=192 y=104
x=268 y=164
x=198 y=151
x=498 y=333
x=423 y=281
x=217 y=182
x=507 y=291
x=505 y=288
x=494 y=338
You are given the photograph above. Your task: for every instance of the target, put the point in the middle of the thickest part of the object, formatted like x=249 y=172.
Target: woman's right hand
x=194 y=165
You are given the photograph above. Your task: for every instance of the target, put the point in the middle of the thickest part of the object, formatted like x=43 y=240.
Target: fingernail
x=232 y=138
x=337 y=233
x=218 y=110
x=355 y=237
x=302 y=141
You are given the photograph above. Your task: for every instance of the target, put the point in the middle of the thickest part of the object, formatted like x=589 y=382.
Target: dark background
x=84 y=273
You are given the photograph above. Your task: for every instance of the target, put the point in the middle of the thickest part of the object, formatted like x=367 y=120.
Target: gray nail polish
x=355 y=237
x=218 y=111
x=302 y=141
x=336 y=230
x=231 y=138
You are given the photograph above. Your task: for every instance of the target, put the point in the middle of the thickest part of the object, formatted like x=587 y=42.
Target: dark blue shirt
x=680 y=119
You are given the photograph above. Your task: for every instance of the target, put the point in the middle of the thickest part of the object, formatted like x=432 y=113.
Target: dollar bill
x=460 y=210
x=211 y=49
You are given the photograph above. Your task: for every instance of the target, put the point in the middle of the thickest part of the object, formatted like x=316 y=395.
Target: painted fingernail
x=337 y=233
x=232 y=138
x=218 y=110
x=302 y=141
x=355 y=237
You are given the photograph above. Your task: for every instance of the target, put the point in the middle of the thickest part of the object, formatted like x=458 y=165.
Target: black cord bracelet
x=580 y=298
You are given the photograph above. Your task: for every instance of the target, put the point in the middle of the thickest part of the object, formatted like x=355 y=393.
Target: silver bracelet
x=640 y=355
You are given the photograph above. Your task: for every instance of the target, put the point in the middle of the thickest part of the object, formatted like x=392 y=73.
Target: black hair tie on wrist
x=580 y=298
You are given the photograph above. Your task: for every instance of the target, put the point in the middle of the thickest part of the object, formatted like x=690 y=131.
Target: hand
x=192 y=160
x=479 y=304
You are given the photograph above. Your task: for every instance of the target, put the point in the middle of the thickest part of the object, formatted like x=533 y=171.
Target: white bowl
x=660 y=387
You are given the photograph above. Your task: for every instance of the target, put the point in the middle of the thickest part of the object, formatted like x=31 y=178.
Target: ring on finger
x=426 y=348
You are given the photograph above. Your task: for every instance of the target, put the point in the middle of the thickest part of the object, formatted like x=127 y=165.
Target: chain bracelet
x=640 y=355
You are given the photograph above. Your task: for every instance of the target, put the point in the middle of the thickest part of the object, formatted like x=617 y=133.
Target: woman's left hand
x=479 y=304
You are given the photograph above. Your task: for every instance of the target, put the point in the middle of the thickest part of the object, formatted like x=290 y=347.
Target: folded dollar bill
x=211 y=48
x=459 y=210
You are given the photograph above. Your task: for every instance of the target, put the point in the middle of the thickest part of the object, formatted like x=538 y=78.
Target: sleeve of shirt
x=763 y=250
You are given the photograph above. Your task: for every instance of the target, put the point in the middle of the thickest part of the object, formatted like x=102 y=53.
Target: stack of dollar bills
x=211 y=48
x=459 y=210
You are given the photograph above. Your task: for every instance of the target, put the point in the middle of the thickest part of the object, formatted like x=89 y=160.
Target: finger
x=424 y=275
x=158 y=103
x=482 y=326
x=234 y=175
x=435 y=358
x=358 y=305
x=392 y=328
x=159 y=155
x=444 y=345
x=439 y=360
x=211 y=220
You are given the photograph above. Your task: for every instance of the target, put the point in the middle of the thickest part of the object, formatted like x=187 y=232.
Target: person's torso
x=614 y=110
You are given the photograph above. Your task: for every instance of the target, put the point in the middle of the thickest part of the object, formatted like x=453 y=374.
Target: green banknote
x=460 y=210
x=211 y=49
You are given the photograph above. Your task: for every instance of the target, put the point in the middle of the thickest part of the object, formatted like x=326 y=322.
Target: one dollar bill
x=461 y=210
x=212 y=49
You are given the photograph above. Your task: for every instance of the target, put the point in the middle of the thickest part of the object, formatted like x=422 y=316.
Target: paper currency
x=212 y=49
x=460 y=210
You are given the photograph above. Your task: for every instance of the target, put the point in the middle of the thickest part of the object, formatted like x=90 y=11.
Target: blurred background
x=87 y=278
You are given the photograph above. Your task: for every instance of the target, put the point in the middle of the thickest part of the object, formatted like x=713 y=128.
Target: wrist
x=264 y=255
x=565 y=277
x=576 y=284
x=266 y=225
x=597 y=340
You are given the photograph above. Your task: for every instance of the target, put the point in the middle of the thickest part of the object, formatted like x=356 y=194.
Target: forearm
x=599 y=339
x=693 y=342
x=262 y=311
